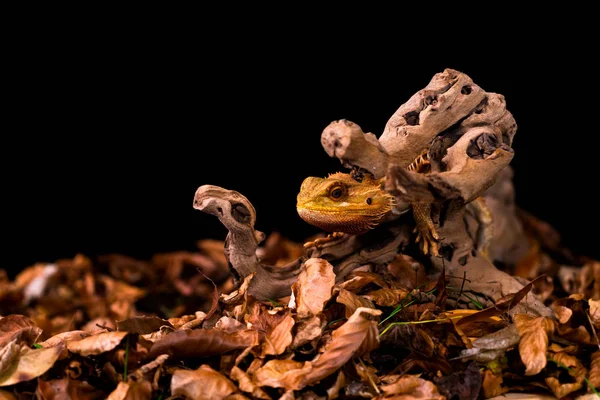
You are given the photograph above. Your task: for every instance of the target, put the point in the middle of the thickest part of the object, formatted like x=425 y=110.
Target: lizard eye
x=336 y=192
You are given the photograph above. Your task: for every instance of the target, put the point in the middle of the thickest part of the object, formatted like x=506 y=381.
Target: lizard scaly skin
x=339 y=203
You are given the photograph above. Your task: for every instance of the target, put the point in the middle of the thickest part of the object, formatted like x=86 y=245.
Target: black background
x=109 y=143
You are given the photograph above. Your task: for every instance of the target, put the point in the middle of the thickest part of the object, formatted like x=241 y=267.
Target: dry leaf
x=333 y=392
x=96 y=344
x=534 y=341
x=574 y=368
x=411 y=387
x=8 y=355
x=352 y=301
x=464 y=385
x=279 y=338
x=18 y=327
x=229 y=325
x=246 y=384
x=595 y=369
x=66 y=388
x=387 y=297
x=64 y=338
x=30 y=364
x=200 y=384
x=279 y=373
x=492 y=385
x=202 y=343
x=357 y=280
x=307 y=330
x=313 y=287
x=132 y=391
x=595 y=312
x=142 y=325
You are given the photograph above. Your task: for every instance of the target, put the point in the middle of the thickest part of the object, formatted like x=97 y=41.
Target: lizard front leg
x=425 y=229
x=320 y=242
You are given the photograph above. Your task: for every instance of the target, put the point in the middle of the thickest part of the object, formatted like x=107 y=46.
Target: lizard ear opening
x=369 y=201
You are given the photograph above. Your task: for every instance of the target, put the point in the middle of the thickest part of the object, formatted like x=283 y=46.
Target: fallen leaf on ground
x=412 y=387
x=66 y=388
x=492 y=384
x=352 y=301
x=313 y=287
x=200 y=384
x=96 y=344
x=462 y=385
x=202 y=343
x=387 y=297
x=132 y=391
x=30 y=364
x=280 y=374
x=534 y=333
x=574 y=368
x=246 y=384
x=595 y=369
x=8 y=355
x=18 y=327
x=142 y=325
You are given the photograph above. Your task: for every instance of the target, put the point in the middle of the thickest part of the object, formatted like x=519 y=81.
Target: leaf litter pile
x=176 y=327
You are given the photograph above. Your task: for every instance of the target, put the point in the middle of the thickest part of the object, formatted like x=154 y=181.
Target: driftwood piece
x=467 y=134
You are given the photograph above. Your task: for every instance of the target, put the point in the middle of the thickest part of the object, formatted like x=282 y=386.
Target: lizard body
x=340 y=203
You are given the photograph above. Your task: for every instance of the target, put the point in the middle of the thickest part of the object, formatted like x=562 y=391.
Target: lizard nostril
x=369 y=200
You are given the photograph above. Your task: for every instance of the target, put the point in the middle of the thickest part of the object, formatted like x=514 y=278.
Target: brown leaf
x=280 y=373
x=562 y=313
x=18 y=327
x=8 y=355
x=595 y=312
x=357 y=280
x=359 y=333
x=246 y=384
x=313 y=287
x=64 y=338
x=501 y=306
x=4 y=395
x=352 y=301
x=142 y=325
x=132 y=391
x=200 y=384
x=307 y=330
x=492 y=385
x=30 y=364
x=67 y=389
x=229 y=325
x=279 y=338
x=595 y=369
x=96 y=344
x=333 y=392
x=574 y=368
x=534 y=333
x=411 y=387
x=387 y=297
x=202 y=343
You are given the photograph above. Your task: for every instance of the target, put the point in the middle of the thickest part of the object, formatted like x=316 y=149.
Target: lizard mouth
x=339 y=222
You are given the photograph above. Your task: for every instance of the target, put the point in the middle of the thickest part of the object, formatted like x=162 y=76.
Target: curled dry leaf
x=492 y=385
x=352 y=301
x=313 y=287
x=132 y=391
x=307 y=330
x=200 y=384
x=574 y=368
x=202 y=343
x=410 y=387
x=387 y=297
x=280 y=373
x=534 y=341
x=595 y=369
x=30 y=364
x=247 y=385
x=595 y=312
x=64 y=338
x=279 y=338
x=142 y=324
x=18 y=327
x=229 y=325
x=8 y=355
x=96 y=344
x=67 y=388
x=333 y=392
x=275 y=325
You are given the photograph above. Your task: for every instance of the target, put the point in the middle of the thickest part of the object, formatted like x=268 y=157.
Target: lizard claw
x=427 y=235
x=320 y=242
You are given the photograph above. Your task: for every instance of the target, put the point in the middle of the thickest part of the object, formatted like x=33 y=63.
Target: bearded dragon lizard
x=340 y=203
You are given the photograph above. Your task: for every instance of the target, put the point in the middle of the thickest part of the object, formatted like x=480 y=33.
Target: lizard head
x=339 y=203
